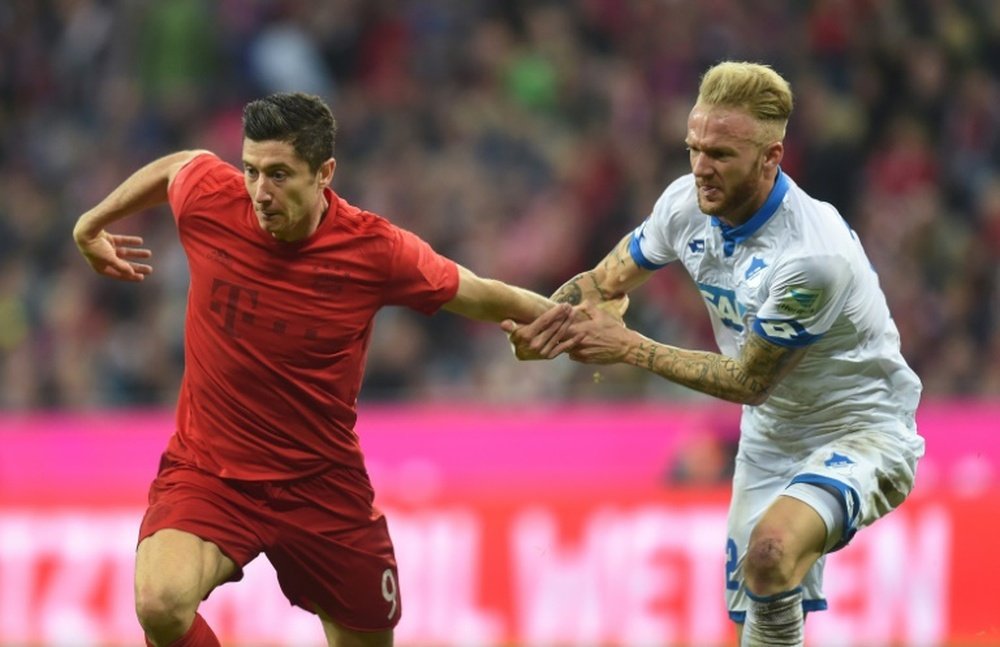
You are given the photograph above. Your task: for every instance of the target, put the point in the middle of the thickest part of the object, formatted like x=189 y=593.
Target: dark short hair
x=302 y=120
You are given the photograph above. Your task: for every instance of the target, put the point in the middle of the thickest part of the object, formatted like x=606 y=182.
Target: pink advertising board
x=545 y=525
x=61 y=457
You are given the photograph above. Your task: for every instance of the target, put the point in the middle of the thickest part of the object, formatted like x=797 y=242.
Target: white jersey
x=795 y=274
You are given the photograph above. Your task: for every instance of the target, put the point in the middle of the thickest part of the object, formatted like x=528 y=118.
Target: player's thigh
x=757 y=484
x=331 y=549
x=873 y=469
x=198 y=531
x=754 y=489
x=178 y=568
x=339 y=636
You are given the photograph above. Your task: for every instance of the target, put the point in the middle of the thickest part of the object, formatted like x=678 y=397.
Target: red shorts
x=329 y=546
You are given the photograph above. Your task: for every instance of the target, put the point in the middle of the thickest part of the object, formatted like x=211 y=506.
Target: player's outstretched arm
x=608 y=283
x=600 y=338
x=491 y=300
x=115 y=256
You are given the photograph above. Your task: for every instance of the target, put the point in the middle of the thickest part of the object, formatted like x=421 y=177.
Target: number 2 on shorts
x=732 y=562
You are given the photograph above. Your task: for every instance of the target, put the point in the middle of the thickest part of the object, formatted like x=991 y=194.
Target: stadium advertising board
x=555 y=526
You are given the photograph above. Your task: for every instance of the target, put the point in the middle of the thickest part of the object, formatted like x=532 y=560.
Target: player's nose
x=261 y=195
x=700 y=165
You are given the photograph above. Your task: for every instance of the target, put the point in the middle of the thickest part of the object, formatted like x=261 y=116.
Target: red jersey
x=276 y=334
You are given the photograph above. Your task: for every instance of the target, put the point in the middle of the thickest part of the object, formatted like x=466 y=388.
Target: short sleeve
x=201 y=183
x=805 y=298
x=651 y=246
x=419 y=277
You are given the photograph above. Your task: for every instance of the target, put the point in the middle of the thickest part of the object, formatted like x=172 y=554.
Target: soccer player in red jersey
x=285 y=280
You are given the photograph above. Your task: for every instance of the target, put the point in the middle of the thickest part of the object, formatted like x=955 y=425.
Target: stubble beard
x=736 y=202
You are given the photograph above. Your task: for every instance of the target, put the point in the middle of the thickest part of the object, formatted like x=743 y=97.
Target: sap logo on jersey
x=697 y=245
x=724 y=303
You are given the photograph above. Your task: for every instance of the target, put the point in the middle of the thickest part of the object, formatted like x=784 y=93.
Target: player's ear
x=326 y=171
x=773 y=153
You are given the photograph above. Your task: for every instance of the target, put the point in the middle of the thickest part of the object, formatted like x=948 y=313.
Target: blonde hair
x=753 y=87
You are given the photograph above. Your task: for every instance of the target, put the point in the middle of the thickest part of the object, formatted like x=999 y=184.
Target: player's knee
x=163 y=610
x=767 y=566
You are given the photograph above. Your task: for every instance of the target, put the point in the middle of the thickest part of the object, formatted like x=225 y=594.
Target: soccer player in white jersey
x=828 y=441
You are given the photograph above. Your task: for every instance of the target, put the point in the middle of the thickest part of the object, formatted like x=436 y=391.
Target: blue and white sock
x=774 y=620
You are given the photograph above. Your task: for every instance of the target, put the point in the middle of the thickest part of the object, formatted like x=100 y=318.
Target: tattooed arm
x=610 y=281
x=606 y=286
x=748 y=379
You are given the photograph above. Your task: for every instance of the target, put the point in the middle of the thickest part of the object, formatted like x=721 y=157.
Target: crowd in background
x=521 y=138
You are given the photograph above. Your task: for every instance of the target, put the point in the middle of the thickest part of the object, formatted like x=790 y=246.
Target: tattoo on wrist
x=570 y=293
x=645 y=356
x=615 y=259
x=597 y=288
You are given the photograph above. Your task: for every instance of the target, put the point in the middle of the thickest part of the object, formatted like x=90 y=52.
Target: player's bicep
x=805 y=298
x=471 y=293
x=768 y=363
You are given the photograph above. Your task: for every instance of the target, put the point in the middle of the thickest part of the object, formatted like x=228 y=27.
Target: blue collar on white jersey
x=733 y=235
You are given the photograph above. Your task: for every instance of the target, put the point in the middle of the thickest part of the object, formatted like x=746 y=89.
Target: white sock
x=774 y=620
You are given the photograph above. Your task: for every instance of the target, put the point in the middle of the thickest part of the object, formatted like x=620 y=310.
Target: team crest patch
x=839 y=461
x=800 y=301
x=756 y=265
x=754 y=273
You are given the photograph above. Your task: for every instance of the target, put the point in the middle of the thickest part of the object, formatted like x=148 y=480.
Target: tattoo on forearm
x=737 y=380
x=617 y=257
x=573 y=291
x=597 y=288
x=570 y=292
x=716 y=375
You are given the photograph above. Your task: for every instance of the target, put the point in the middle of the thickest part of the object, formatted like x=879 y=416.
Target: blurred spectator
x=704 y=457
x=517 y=137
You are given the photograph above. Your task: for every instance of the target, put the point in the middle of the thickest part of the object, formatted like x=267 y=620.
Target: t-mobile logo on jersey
x=329 y=279
x=235 y=304
x=229 y=305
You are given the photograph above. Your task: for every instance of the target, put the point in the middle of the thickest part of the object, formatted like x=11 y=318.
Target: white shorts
x=871 y=472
